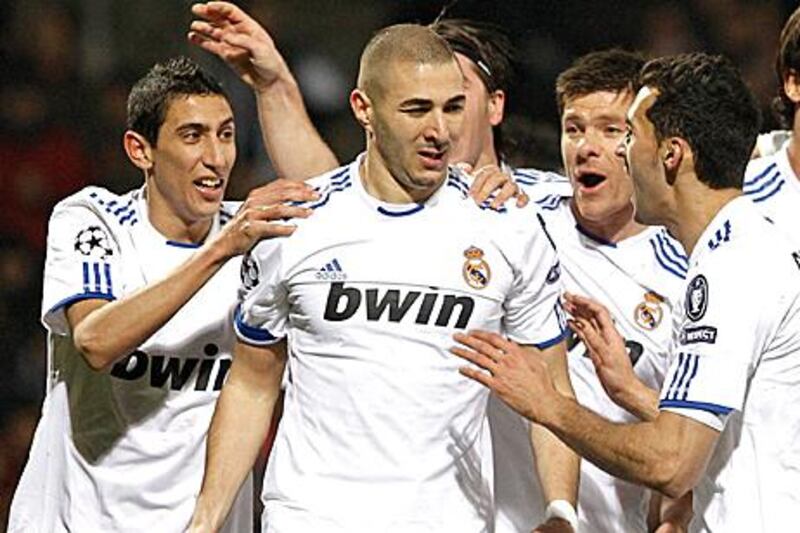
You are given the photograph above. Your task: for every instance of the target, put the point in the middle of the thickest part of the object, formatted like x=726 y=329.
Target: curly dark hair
x=703 y=99
x=150 y=97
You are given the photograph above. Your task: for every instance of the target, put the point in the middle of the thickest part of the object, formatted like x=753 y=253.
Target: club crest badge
x=476 y=270
x=696 y=298
x=649 y=313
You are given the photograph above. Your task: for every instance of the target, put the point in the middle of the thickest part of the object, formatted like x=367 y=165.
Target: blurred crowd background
x=66 y=67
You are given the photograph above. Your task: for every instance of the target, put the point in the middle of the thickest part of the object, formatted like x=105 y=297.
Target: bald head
x=401 y=43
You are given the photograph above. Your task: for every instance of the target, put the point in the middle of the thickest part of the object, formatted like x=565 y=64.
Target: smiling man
x=139 y=290
x=727 y=424
x=380 y=432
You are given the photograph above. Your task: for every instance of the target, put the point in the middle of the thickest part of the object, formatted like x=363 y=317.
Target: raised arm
x=293 y=144
x=103 y=331
x=238 y=429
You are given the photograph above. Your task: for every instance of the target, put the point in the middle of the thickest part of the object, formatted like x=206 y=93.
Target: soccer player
x=772 y=182
x=643 y=264
x=139 y=291
x=637 y=271
x=728 y=422
x=379 y=431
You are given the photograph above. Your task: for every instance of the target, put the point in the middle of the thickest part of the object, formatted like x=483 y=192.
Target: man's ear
x=362 y=108
x=138 y=149
x=791 y=86
x=674 y=151
x=497 y=106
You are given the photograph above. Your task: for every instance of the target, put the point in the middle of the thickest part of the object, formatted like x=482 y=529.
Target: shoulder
x=668 y=253
x=330 y=184
x=764 y=177
x=114 y=210
x=547 y=189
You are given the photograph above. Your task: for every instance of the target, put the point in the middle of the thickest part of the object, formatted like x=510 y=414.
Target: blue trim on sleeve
x=760 y=176
x=252 y=334
x=82 y=296
x=700 y=406
x=552 y=342
x=768 y=195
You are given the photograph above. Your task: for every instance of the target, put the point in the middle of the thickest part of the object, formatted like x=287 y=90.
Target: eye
x=571 y=129
x=414 y=111
x=191 y=136
x=454 y=107
x=614 y=131
x=227 y=134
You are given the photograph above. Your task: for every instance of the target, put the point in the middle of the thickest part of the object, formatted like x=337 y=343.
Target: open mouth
x=590 y=180
x=209 y=183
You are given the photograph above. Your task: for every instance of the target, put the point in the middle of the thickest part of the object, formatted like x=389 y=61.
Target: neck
x=169 y=223
x=381 y=184
x=696 y=209
x=487 y=157
x=613 y=228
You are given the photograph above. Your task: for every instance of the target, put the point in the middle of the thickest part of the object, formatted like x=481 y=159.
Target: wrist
x=562 y=510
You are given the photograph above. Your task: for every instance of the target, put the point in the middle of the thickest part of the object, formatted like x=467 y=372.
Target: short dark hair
x=613 y=70
x=703 y=99
x=150 y=97
x=486 y=45
x=787 y=60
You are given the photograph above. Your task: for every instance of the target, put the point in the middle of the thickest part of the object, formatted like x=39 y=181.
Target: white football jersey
x=380 y=432
x=123 y=450
x=638 y=280
x=736 y=368
x=774 y=188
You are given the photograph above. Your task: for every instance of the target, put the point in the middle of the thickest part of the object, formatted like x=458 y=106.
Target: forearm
x=238 y=430
x=119 y=327
x=293 y=144
x=638 y=399
x=634 y=452
x=558 y=466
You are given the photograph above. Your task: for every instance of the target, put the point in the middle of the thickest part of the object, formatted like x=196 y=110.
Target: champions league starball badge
x=249 y=272
x=648 y=314
x=476 y=271
x=696 y=298
x=93 y=242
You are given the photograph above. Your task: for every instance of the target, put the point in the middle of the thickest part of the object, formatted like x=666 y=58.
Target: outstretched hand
x=228 y=32
x=594 y=326
x=516 y=374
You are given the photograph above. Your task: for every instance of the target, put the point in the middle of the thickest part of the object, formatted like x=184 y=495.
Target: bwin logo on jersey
x=476 y=271
x=93 y=242
x=175 y=373
x=332 y=271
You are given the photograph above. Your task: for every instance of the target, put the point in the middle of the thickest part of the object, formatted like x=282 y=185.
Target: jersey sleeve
x=533 y=313
x=717 y=346
x=262 y=313
x=83 y=262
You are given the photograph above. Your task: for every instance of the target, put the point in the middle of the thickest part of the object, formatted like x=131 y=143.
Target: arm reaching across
x=228 y=32
x=668 y=454
x=104 y=331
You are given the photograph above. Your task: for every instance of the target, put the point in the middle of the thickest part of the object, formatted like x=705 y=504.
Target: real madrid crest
x=648 y=314
x=476 y=271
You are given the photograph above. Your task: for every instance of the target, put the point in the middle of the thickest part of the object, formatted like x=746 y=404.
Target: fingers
x=276 y=212
x=261 y=229
x=280 y=191
x=476 y=358
x=508 y=189
x=476 y=375
x=488 y=344
x=522 y=198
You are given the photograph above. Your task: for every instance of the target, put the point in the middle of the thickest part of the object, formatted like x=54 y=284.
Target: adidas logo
x=332 y=271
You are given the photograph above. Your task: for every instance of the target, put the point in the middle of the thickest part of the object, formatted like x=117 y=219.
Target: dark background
x=66 y=67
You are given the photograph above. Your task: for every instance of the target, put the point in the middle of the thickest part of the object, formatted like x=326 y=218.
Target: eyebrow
x=201 y=126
